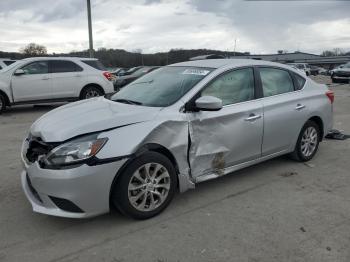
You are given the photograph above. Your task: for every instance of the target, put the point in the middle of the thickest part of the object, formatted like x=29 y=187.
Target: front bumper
x=86 y=187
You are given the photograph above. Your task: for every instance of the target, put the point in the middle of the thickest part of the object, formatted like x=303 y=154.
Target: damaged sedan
x=169 y=130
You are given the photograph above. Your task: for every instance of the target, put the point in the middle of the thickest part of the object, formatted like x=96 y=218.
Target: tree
x=335 y=52
x=33 y=49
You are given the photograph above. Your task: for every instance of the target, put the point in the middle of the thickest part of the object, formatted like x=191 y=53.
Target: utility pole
x=91 y=45
x=234 y=50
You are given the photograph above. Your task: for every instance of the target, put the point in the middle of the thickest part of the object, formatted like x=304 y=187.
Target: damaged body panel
x=225 y=138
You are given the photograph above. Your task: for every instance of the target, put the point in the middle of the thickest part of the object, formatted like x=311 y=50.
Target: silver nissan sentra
x=171 y=129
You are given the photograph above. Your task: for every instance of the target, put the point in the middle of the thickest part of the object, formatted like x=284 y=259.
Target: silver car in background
x=171 y=129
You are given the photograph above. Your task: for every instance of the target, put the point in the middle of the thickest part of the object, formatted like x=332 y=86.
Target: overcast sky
x=160 y=25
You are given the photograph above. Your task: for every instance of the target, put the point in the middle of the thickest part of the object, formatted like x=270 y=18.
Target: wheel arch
x=7 y=100
x=91 y=85
x=318 y=120
x=146 y=148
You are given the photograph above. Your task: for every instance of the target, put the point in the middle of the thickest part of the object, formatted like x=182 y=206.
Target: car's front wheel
x=146 y=186
x=308 y=142
x=2 y=103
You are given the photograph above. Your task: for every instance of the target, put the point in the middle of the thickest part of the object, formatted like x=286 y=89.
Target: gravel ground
x=279 y=210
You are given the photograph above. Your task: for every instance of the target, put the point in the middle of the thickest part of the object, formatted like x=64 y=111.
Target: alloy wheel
x=92 y=93
x=149 y=187
x=309 y=141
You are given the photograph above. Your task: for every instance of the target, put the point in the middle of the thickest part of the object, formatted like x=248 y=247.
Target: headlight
x=75 y=151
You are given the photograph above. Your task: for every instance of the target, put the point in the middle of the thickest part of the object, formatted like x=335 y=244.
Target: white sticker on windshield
x=192 y=71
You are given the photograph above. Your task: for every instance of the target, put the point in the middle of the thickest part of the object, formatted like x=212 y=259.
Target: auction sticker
x=192 y=71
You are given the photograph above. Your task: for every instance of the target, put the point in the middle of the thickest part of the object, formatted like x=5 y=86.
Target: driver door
x=34 y=84
x=232 y=135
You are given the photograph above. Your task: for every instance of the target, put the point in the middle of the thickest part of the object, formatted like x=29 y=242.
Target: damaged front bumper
x=79 y=192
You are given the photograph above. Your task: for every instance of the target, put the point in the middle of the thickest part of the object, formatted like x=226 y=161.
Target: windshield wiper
x=127 y=101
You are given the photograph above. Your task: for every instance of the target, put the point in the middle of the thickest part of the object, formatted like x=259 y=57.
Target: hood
x=343 y=69
x=88 y=116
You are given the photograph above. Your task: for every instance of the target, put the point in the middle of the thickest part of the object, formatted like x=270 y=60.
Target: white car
x=302 y=66
x=5 y=62
x=52 y=79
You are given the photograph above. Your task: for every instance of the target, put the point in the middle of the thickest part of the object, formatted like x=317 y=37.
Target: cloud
x=160 y=25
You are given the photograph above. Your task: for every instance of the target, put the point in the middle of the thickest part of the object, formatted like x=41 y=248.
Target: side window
x=299 y=81
x=275 y=81
x=62 y=66
x=40 y=67
x=233 y=87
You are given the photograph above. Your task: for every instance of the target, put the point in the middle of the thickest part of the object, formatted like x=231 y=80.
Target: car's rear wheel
x=145 y=187
x=2 y=103
x=308 y=142
x=90 y=92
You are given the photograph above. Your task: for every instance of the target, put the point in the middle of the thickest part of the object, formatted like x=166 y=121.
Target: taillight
x=107 y=75
x=330 y=95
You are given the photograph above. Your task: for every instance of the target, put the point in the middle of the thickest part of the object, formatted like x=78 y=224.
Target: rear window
x=8 y=62
x=95 y=64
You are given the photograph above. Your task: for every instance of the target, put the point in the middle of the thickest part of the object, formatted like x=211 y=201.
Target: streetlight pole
x=91 y=47
x=234 y=50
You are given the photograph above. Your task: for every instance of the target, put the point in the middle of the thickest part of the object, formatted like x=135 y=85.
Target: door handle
x=252 y=117
x=45 y=78
x=299 y=107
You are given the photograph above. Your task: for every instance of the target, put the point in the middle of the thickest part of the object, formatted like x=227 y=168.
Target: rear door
x=34 y=84
x=232 y=135
x=285 y=110
x=66 y=78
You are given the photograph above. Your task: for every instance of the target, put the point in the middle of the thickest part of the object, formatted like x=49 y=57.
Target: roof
x=58 y=58
x=217 y=63
x=210 y=56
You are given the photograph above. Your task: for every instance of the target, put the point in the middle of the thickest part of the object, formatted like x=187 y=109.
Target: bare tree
x=33 y=49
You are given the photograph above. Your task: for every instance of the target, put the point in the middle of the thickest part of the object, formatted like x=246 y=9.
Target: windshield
x=19 y=62
x=161 y=87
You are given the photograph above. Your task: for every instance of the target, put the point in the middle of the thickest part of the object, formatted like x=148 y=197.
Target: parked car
x=119 y=71
x=302 y=66
x=127 y=79
x=47 y=79
x=129 y=71
x=299 y=70
x=341 y=73
x=314 y=70
x=170 y=129
x=4 y=62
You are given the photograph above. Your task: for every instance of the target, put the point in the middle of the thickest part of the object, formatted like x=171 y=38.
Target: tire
x=308 y=142
x=90 y=92
x=334 y=80
x=134 y=190
x=2 y=103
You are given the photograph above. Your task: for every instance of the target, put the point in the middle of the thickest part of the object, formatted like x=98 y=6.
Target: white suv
x=4 y=62
x=51 y=79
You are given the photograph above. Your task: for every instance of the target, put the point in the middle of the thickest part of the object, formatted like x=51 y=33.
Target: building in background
x=327 y=62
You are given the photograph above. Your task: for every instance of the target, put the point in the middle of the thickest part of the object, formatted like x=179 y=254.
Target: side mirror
x=19 y=72
x=208 y=103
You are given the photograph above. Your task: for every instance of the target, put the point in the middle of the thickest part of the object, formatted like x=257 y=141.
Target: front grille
x=36 y=148
x=32 y=189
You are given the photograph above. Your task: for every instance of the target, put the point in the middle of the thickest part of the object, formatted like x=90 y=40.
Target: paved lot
x=276 y=211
